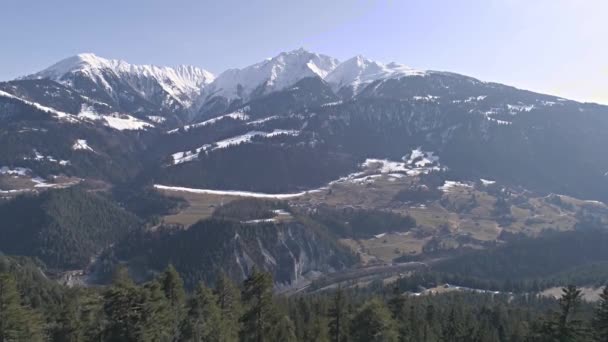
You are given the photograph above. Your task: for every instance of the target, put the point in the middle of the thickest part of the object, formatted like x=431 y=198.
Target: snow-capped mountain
x=270 y=75
x=360 y=71
x=127 y=86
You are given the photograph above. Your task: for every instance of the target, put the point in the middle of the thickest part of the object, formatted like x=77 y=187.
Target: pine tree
x=204 y=321
x=17 y=323
x=600 y=321
x=229 y=303
x=318 y=331
x=338 y=326
x=453 y=330
x=156 y=315
x=259 y=316
x=173 y=287
x=373 y=323
x=397 y=306
x=569 y=327
x=69 y=325
x=123 y=309
x=284 y=330
x=563 y=326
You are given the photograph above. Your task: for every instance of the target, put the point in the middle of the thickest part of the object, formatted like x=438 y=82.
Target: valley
x=315 y=170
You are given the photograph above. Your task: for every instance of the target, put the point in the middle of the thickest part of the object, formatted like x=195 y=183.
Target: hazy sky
x=552 y=46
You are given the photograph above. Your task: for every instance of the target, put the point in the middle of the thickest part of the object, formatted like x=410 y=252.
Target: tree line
x=162 y=310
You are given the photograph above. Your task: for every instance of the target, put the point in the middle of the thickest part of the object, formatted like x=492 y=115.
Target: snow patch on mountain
x=81 y=144
x=263 y=120
x=116 y=121
x=487 y=182
x=232 y=192
x=449 y=186
x=420 y=158
x=235 y=116
x=17 y=171
x=186 y=156
x=385 y=165
x=40 y=157
x=58 y=114
x=518 y=108
x=156 y=119
x=123 y=122
x=183 y=83
x=273 y=74
x=359 y=71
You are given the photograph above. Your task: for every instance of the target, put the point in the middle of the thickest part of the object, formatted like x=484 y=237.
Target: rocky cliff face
x=292 y=251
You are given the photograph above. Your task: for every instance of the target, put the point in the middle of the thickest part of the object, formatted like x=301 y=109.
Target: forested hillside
x=63 y=228
x=162 y=310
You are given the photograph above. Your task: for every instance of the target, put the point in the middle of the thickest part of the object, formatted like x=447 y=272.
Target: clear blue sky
x=552 y=46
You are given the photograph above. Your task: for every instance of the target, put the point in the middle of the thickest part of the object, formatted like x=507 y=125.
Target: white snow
x=232 y=192
x=549 y=103
x=499 y=122
x=263 y=120
x=426 y=98
x=183 y=83
x=386 y=166
x=270 y=220
x=475 y=98
x=41 y=183
x=17 y=171
x=39 y=157
x=487 y=181
x=450 y=185
x=235 y=116
x=156 y=119
x=124 y=122
x=116 y=121
x=81 y=144
x=416 y=163
x=58 y=114
x=421 y=158
x=274 y=74
x=514 y=109
x=15 y=191
x=331 y=104
x=359 y=71
x=186 y=156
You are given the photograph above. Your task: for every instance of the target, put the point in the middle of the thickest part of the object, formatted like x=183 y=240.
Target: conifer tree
x=600 y=321
x=123 y=309
x=204 y=321
x=156 y=315
x=564 y=326
x=338 y=326
x=259 y=316
x=229 y=304
x=69 y=325
x=284 y=330
x=17 y=323
x=373 y=323
x=173 y=287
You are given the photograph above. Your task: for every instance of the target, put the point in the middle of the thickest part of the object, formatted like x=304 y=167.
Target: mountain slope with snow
x=360 y=71
x=273 y=74
x=130 y=87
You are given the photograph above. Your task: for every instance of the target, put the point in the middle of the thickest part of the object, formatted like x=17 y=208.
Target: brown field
x=200 y=206
x=531 y=214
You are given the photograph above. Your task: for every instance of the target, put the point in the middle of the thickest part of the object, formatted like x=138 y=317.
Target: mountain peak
x=183 y=83
x=360 y=70
x=70 y=64
x=272 y=74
